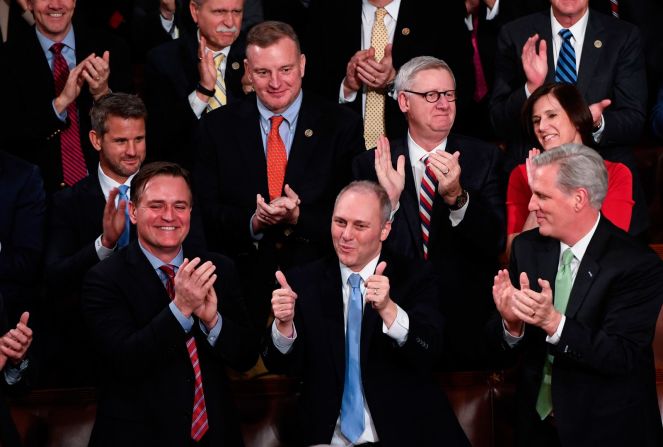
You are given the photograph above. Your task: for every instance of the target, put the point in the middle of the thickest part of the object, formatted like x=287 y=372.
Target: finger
x=400 y=165
x=209 y=283
x=25 y=316
x=543 y=47
x=380 y=268
x=201 y=47
x=545 y=287
x=524 y=281
x=280 y=277
x=191 y=266
x=106 y=58
x=110 y=203
x=289 y=192
x=387 y=51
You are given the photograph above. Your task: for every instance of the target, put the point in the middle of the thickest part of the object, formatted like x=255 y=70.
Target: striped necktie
x=566 y=71
x=426 y=198
x=614 y=8
x=374 y=113
x=219 y=99
x=199 y=422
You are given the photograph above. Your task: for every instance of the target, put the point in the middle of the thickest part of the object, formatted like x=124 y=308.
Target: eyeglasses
x=433 y=96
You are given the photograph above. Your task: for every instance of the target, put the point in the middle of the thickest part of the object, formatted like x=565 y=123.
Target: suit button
x=62 y=185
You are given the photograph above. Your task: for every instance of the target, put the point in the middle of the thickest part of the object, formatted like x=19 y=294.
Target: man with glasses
x=449 y=207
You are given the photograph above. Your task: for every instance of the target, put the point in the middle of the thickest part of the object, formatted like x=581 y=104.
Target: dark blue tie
x=352 y=406
x=124 y=237
x=566 y=71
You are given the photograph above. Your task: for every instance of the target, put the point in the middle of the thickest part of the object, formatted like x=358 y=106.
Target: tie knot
x=56 y=48
x=123 y=190
x=566 y=34
x=169 y=270
x=218 y=59
x=354 y=280
x=276 y=121
x=567 y=257
x=380 y=13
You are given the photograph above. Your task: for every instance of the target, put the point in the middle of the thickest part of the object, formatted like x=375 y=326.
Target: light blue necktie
x=124 y=237
x=566 y=62
x=352 y=407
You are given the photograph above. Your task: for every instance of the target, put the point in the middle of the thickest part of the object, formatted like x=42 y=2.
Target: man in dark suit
x=88 y=220
x=458 y=224
x=15 y=20
x=165 y=327
x=36 y=116
x=583 y=314
x=181 y=77
x=610 y=72
x=22 y=216
x=380 y=310
x=344 y=68
x=267 y=190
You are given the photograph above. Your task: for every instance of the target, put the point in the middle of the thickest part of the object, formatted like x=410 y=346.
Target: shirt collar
x=107 y=183
x=368 y=270
x=417 y=152
x=578 y=28
x=392 y=8
x=156 y=262
x=290 y=114
x=46 y=43
x=580 y=247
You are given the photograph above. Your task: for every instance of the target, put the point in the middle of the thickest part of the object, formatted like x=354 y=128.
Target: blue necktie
x=566 y=62
x=124 y=237
x=352 y=407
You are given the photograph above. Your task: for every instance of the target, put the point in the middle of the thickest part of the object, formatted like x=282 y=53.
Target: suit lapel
x=544 y=29
x=307 y=134
x=547 y=261
x=588 y=270
x=332 y=310
x=144 y=278
x=590 y=54
x=409 y=202
x=250 y=147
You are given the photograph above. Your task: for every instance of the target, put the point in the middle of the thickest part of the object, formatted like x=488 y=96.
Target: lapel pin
x=235 y=65
x=598 y=43
x=308 y=133
x=590 y=274
x=405 y=31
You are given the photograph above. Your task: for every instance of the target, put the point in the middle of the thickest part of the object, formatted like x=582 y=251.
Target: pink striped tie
x=426 y=198
x=73 y=163
x=199 y=423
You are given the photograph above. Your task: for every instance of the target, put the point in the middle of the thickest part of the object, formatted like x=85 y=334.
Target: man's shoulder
x=168 y=52
x=87 y=187
x=330 y=111
x=522 y=25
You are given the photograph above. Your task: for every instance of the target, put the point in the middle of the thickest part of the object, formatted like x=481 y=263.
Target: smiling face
x=276 y=72
x=552 y=125
x=357 y=232
x=121 y=148
x=53 y=17
x=162 y=215
x=554 y=208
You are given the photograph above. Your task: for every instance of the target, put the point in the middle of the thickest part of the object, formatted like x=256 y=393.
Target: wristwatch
x=461 y=200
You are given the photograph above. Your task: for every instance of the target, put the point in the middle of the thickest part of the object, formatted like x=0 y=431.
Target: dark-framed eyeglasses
x=434 y=96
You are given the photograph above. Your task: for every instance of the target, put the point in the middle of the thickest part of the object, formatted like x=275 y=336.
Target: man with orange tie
x=269 y=166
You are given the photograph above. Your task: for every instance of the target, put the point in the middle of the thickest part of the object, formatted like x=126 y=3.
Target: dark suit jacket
x=231 y=169
x=406 y=405
x=171 y=74
x=17 y=27
x=468 y=252
x=147 y=384
x=423 y=28
x=29 y=124
x=603 y=386
x=22 y=213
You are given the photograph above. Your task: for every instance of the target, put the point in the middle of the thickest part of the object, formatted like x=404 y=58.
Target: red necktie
x=73 y=163
x=614 y=8
x=199 y=423
x=426 y=198
x=277 y=159
x=481 y=86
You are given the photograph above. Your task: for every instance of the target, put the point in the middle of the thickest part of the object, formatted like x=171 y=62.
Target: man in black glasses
x=449 y=206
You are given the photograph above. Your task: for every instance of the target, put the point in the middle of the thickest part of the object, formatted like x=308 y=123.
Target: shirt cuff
x=61 y=116
x=102 y=252
x=281 y=342
x=512 y=340
x=492 y=13
x=457 y=216
x=254 y=236
x=186 y=323
x=197 y=105
x=527 y=92
x=393 y=212
x=13 y=373
x=599 y=133
x=342 y=99
x=554 y=338
x=213 y=334
x=399 y=328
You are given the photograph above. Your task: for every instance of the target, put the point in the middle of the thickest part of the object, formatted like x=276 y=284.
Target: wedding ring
x=533 y=313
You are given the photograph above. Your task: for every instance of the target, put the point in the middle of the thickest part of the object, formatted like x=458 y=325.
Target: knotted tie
x=124 y=237
x=277 y=159
x=426 y=198
x=563 y=284
x=199 y=423
x=73 y=163
x=374 y=113
x=566 y=62
x=219 y=99
x=352 y=406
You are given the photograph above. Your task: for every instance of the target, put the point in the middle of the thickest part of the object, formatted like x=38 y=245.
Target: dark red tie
x=481 y=86
x=73 y=163
x=199 y=424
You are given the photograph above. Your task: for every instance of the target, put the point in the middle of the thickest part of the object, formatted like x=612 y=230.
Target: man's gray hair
x=366 y=186
x=579 y=167
x=409 y=70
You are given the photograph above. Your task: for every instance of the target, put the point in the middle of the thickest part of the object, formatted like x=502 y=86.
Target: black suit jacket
x=231 y=169
x=147 y=385
x=422 y=29
x=171 y=74
x=406 y=405
x=29 y=124
x=468 y=253
x=603 y=386
x=22 y=215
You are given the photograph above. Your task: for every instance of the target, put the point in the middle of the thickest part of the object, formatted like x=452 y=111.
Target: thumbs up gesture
x=377 y=293
x=283 y=305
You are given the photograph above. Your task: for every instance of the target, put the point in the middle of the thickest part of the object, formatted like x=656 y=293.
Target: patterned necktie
x=566 y=62
x=219 y=99
x=199 y=423
x=374 y=113
x=426 y=198
x=73 y=163
x=124 y=237
x=563 y=284
x=352 y=406
x=614 y=8
x=481 y=86
x=277 y=160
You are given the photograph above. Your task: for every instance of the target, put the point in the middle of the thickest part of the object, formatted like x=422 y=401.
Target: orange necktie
x=276 y=159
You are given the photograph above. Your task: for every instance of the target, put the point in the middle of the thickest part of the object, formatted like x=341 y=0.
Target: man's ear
x=132 y=211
